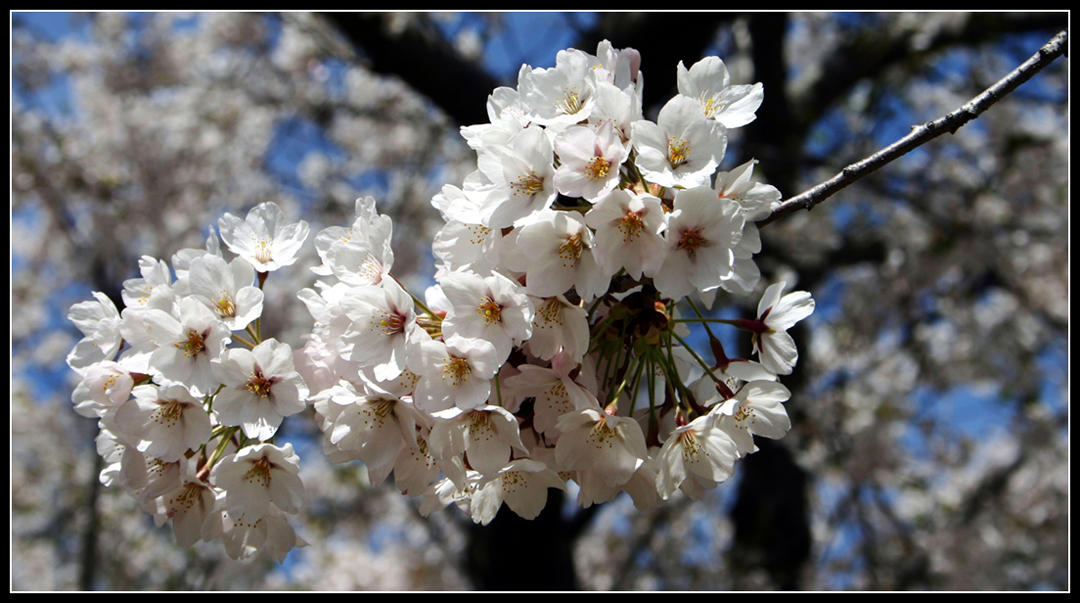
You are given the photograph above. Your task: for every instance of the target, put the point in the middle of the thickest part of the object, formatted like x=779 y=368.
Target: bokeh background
x=929 y=447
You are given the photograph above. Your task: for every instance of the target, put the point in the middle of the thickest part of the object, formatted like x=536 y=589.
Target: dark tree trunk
x=772 y=530
x=512 y=553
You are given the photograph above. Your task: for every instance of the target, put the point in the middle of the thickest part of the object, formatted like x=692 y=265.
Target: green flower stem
x=725 y=321
x=700 y=361
x=254 y=332
x=704 y=321
x=637 y=381
x=243 y=341
x=422 y=305
x=209 y=402
x=633 y=367
x=226 y=437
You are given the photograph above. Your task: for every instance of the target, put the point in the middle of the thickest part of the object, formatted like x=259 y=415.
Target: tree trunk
x=512 y=553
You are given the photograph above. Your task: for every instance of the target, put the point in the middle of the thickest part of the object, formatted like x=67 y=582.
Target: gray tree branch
x=920 y=135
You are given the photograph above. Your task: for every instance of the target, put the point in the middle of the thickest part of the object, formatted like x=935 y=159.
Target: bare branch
x=919 y=135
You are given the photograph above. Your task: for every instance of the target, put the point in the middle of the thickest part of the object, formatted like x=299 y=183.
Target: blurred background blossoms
x=929 y=441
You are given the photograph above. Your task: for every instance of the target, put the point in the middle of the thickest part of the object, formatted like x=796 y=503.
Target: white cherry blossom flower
x=699 y=449
x=620 y=67
x=486 y=435
x=382 y=322
x=323 y=357
x=360 y=254
x=521 y=175
x=682 y=148
x=467 y=204
x=522 y=484
x=151 y=290
x=99 y=321
x=457 y=372
x=262 y=387
x=732 y=373
x=166 y=421
x=628 y=227
x=263 y=237
x=554 y=394
x=493 y=308
x=124 y=465
x=190 y=506
x=447 y=491
x=558 y=326
x=562 y=95
x=619 y=107
x=244 y=538
x=375 y=427
x=756 y=409
x=161 y=477
x=257 y=476
x=227 y=288
x=610 y=447
x=460 y=245
x=181 y=260
x=776 y=314
x=755 y=200
x=507 y=114
x=416 y=467
x=103 y=386
x=554 y=250
x=594 y=489
x=700 y=237
x=181 y=349
x=642 y=486
x=590 y=159
x=709 y=83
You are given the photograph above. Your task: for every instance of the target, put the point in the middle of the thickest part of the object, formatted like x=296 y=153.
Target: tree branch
x=423 y=59
x=871 y=52
x=920 y=135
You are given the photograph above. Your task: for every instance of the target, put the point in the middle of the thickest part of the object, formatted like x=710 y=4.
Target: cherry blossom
x=708 y=82
x=699 y=450
x=700 y=237
x=99 y=321
x=551 y=344
x=167 y=422
x=227 y=288
x=258 y=477
x=181 y=348
x=492 y=308
x=589 y=160
x=260 y=388
x=263 y=237
x=776 y=314
x=382 y=321
x=681 y=148
x=628 y=232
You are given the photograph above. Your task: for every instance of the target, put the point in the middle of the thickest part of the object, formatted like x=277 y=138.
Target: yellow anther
x=456 y=370
x=490 y=311
x=597 y=168
x=527 y=185
x=691 y=240
x=631 y=226
x=262 y=254
x=193 y=345
x=571 y=248
x=678 y=149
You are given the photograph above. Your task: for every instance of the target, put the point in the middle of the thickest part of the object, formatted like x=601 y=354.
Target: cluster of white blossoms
x=550 y=349
x=188 y=394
